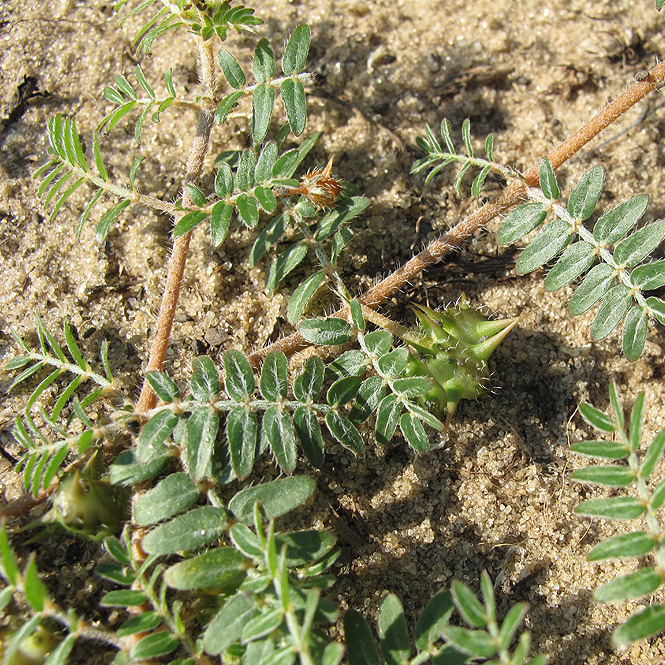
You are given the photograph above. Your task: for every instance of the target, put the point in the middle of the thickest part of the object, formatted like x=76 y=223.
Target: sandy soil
x=497 y=496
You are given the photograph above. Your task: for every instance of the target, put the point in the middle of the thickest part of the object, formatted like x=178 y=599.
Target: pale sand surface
x=497 y=496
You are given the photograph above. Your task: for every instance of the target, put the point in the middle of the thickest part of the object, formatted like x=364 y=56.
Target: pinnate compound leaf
x=268 y=237
x=653 y=455
x=597 y=419
x=617 y=406
x=242 y=429
x=145 y=622
x=613 y=308
x=623 y=545
x=276 y=498
x=520 y=221
x=595 y=285
x=196 y=195
x=264 y=61
x=393 y=633
x=9 y=569
x=202 y=428
x=510 y=625
x=287 y=261
x=114 y=573
x=60 y=654
x=644 y=623
x=295 y=54
x=303 y=295
x=126 y=470
x=232 y=70
x=263 y=102
x=104 y=224
x=239 y=380
x=197 y=527
x=394 y=363
x=614 y=224
x=333 y=654
x=378 y=342
x=584 y=197
x=226 y=105
x=359 y=640
x=657 y=308
x=616 y=508
x=609 y=476
x=414 y=433
x=387 y=417
x=549 y=241
x=226 y=626
x=649 y=276
x=304 y=547
x=169 y=497
x=274 y=381
x=639 y=245
x=221 y=568
x=205 y=380
x=633 y=585
x=246 y=540
x=635 y=429
x=164 y=386
x=635 y=328
x=123 y=598
x=245 y=171
x=343 y=390
x=248 y=209
x=278 y=430
x=658 y=495
x=33 y=587
x=224 y=181
x=468 y=605
x=601 y=449
x=357 y=317
x=368 y=397
x=154 y=645
x=295 y=104
x=308 y=431
x=476 y=643
x=117 y=550
x=575 y=260
x=10 y=650
x=345 y=432
x=548 y=183
x=154 y=433
x=412 y=386
x=434 y=617
x=309 y=382
x=220 y=220
x=266 y=198
x=266 y=162
x=330 y=331
x=262 y=625
x=479 y=181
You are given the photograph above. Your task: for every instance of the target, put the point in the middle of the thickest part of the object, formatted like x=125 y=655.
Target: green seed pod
x=452 y=347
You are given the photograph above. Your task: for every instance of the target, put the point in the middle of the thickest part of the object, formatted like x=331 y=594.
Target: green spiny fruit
x=90 y=508
x=34 y=649
x=452 y=348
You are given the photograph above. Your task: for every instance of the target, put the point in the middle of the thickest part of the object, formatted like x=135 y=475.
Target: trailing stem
x=176 y=270
x=500 y=204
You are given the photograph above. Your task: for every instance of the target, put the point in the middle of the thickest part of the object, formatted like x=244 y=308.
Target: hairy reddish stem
x=512 y=195
x=178 y=261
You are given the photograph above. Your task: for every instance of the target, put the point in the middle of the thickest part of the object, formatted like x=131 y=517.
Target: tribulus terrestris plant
x=206 y=568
